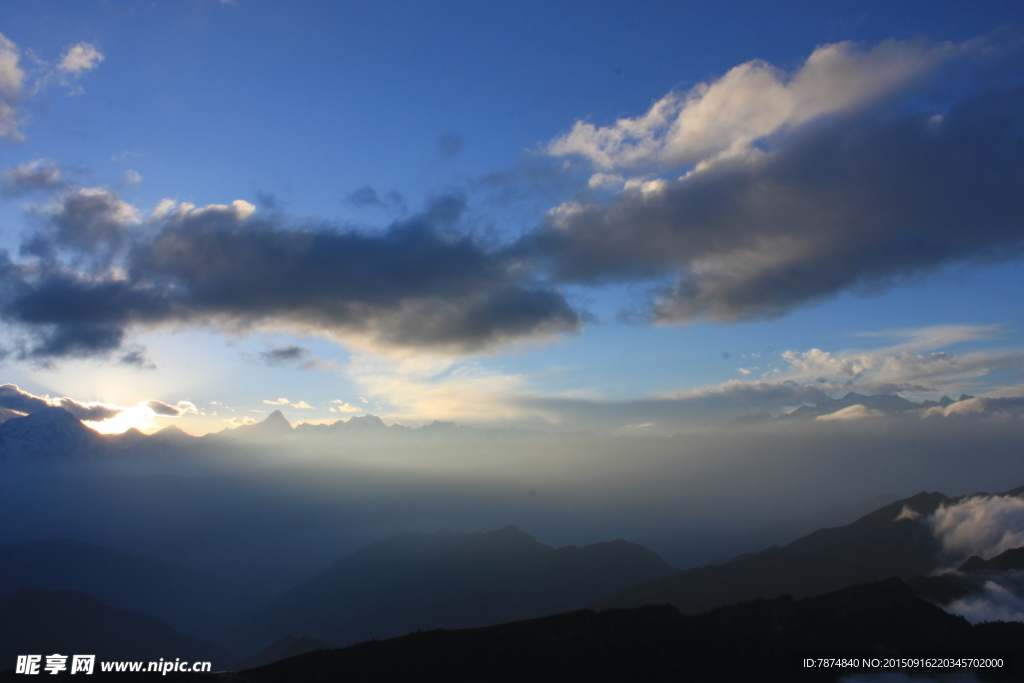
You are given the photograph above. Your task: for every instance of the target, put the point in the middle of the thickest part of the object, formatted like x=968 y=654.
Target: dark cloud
x=161 y=408
x=90 y=223
x=284 y=354
x=533 y=179
x=853 y=203
x=94 y=413
x=417 y=284
x=364 y=196
x=138 y=358
x=368 y=198
x=41 y=174
x=268 y=200
x=450 y=144
x=13 y=398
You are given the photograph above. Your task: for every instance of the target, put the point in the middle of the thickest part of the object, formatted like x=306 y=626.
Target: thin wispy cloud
x=12 y=80
x=17 y=86
x=301 y=405
x=32 y=176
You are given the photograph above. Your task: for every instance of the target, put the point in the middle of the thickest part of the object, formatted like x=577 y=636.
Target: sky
x=609 y=217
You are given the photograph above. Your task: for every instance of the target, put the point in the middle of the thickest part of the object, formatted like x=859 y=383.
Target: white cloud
x=981 y=525
x=996 y=603
x=907 y=513
x=301 y=405
x=857 y=412
x=461 y=390
x=80 y=58
x=132 y=178
x=750 y=102
x=429 y=388
x=343 y=407
x=915 y=364
x=936 y=336
x=12 y=79
x=989 y=408
x=14 y=88
x=187 y=407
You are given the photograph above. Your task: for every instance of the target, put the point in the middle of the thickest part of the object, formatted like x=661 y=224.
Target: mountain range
x=447 y=580
x=452 y=580
x=881 y=403
x=70 y=622
x=763 y=640
x=885 y=543
x=53 y=432
x=190 y=601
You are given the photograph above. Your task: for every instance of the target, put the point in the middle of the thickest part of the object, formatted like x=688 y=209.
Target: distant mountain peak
x=51 y=415
x=366 y=422
x=173 y=433
x=50 y=431
x=278 y=420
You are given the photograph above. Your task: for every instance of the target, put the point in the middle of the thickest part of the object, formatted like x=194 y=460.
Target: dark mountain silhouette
x=47 y=433
x=415 y=581
x=130 y=438
x=882 y=544
x=173 y=434
x=364 y=425
x=1008 y=560
x=70 y=622
x=53 y=433
x=289 y=646
x=171 y=442
x=191 y=602
x=274 y=425
x=699 y=548
x=970 y=578
x=754 y=641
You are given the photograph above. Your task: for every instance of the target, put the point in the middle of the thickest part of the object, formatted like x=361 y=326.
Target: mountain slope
x=880 y=545
x=47 y=433
x=69 y=622
x=415 y=581
x=754 y=641
x=190 y=601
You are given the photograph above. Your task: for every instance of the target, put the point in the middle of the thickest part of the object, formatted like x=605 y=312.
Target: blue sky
x=600 y=216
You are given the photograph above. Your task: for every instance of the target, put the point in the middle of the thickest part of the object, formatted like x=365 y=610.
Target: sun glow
x=140 y=417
